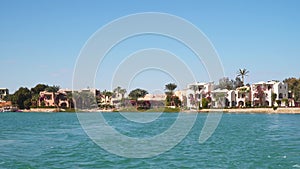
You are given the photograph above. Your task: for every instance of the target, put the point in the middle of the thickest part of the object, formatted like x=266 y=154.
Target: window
x=280 y=96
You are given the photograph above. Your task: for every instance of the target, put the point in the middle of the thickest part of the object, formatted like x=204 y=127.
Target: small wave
x=5 y=142
x=296 y=166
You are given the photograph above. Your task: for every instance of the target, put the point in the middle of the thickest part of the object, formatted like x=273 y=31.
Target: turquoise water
x=56 y=140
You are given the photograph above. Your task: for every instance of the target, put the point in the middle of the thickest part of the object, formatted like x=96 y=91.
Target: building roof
x=261 y=82
x=220 y=91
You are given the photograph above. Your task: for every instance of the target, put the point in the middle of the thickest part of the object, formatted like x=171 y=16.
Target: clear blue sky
x=40 y=40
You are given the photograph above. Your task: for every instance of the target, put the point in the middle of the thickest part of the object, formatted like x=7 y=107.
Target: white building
x=243 y=95
x=261 y=93
x=195 y=92
x=223 y=98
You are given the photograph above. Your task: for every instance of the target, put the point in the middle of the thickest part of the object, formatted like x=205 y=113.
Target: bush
x=205 y=103
x=248 y=104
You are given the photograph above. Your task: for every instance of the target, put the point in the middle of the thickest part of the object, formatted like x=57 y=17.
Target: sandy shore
x=256 y=110
x=40 y=110
x=236 y=110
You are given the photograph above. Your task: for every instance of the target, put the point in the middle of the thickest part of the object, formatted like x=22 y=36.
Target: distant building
x=50 y=99
x=223 y=98
x=243 y=96
x=94 y=92
x=5 y=104
x=181 y=94
x=155 y=100
x=3 y=92
x=262 y=93
x=195 y=92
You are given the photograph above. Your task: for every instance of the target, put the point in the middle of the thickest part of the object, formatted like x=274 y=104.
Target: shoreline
x=283 y=110
x=280 y=110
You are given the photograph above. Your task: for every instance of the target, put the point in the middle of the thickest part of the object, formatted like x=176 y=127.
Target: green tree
x=20 y=96
x=238 y=83
x=170 y=94
x=38 y=88
x=205 y=103
x=27 y=103
x=242 y=73
x=137 y=93
x=170 y=87
x=52 y=88
x=294 y=87
x=273 y=98
x=225 y=83
x=34 y=100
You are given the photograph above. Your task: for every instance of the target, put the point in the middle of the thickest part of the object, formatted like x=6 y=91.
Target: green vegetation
x=273 y=97
x=285 y=101
x=242 y=73
x=25 y=98
x=137 y=93
x=205 y=103
x=120 y=91
x=171 y=100
x=248 y=104
x=294 y=87
x=226 y=83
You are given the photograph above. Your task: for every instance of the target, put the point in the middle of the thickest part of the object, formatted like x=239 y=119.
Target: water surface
x=56 y=140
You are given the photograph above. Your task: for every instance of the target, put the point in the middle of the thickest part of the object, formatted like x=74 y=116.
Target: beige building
x=50 y=99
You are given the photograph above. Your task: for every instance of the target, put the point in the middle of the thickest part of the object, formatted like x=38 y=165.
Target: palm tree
x=170 y=92
x=171 y=87
x=242 y=73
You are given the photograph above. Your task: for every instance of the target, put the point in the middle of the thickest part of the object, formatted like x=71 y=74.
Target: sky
x=40 y=41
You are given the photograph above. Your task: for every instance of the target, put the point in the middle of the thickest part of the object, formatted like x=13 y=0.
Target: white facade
x=223 y=98
x=195 y=92
x=243 y=95
x=258 y=94
x=262 y=92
